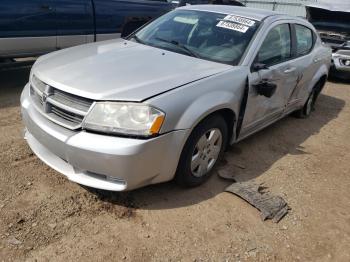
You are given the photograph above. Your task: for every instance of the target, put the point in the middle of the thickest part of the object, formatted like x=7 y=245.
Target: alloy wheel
x=206 y=152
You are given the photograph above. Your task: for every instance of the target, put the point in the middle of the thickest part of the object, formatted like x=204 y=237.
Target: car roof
x=256 y=14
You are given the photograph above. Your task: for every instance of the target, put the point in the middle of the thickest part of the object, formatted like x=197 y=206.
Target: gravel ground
x=44 y=217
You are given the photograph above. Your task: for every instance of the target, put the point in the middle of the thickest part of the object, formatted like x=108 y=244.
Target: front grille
x=65 y=109
x=38 y=84
x=66 y=115
x=36 y=96
x=334 y=39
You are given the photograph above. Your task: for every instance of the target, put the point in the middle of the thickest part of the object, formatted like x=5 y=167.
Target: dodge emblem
x=44 y=97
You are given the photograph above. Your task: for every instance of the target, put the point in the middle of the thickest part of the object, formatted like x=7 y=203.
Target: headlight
x=124 y=118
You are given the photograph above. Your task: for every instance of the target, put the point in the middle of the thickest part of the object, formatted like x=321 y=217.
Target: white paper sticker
x=186 y=20
x=233 y=26
x=240 y=20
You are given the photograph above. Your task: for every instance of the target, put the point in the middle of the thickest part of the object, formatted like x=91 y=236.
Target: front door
x=27 y=27
x=275 y=68
x=75 y=22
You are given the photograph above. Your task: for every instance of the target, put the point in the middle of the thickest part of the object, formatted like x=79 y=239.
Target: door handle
x=316 y=60
x=289 y=70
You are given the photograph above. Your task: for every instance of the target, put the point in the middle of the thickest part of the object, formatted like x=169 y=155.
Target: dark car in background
x=332 y=20
x=35 y=27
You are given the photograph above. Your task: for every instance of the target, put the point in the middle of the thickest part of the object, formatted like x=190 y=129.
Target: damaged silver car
x=332 y=20
x=165 y=102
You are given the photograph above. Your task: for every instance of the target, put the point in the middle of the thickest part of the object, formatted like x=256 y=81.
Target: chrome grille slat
x=65 y=109
x=63 y=106
x=63 y=122
x=65 y=115
x=80 y=103
x=37 y=91
x=38 y=84
x=36 y=97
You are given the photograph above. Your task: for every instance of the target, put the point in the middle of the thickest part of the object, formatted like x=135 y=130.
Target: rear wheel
x=202 y=152
x=309 y=106
x=305 y=112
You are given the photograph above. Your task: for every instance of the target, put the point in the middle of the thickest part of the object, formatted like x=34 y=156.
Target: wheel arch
x=226 y=113
x=321 y=83
x=321 y=75
x=225 y=103
x=230 y=119
x=227 y=116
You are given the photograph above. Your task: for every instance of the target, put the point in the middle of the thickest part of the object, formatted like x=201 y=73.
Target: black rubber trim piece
x=242 y=108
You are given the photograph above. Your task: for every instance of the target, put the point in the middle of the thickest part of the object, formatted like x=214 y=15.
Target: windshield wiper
x=181 y=46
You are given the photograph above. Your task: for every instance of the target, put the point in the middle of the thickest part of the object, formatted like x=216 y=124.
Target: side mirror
x=259 y=66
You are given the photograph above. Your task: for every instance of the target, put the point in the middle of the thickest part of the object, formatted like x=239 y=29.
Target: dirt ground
x=44 y=217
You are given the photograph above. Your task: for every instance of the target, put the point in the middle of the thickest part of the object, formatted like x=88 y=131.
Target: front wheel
x=202 y=152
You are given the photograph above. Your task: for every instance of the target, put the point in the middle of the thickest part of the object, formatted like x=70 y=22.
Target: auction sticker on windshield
x=240 y=20
x=186 y=20
x=233 y=26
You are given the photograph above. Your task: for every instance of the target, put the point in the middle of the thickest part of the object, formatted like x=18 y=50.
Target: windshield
x=216 y=37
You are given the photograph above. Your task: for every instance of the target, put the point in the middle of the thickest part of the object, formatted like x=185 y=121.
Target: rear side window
x=276 y=47
x=305 y=39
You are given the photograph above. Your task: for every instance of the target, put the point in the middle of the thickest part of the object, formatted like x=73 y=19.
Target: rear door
x=75 y=22
x=26 y=27
x=275 y=57
x=307 y=61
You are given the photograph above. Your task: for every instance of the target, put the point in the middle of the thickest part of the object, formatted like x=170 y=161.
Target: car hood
x=121 y=70
x=331 y=16
x=331 y=5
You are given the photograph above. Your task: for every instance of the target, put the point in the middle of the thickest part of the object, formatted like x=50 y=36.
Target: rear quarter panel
x=312 y=68
x=322 y=61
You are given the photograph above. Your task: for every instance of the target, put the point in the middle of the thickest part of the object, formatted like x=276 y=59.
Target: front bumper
x=339 y=61
x=101 y=161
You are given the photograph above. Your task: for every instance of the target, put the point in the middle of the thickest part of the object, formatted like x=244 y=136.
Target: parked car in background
x=165 y=102
x=332 y=20
x=34 y=27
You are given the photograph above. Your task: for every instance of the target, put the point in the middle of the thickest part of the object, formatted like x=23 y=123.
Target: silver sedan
x=166 y=101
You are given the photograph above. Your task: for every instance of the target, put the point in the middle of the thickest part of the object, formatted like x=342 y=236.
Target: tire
x=305 y=112
x=309 y=106
x=197 y=160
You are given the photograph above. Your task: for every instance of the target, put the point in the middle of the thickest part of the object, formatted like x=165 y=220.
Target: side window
x=276 y=47
x=305 y=40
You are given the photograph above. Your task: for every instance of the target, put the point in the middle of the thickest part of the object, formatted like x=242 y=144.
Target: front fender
x=206 y=105
x=186 y=106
